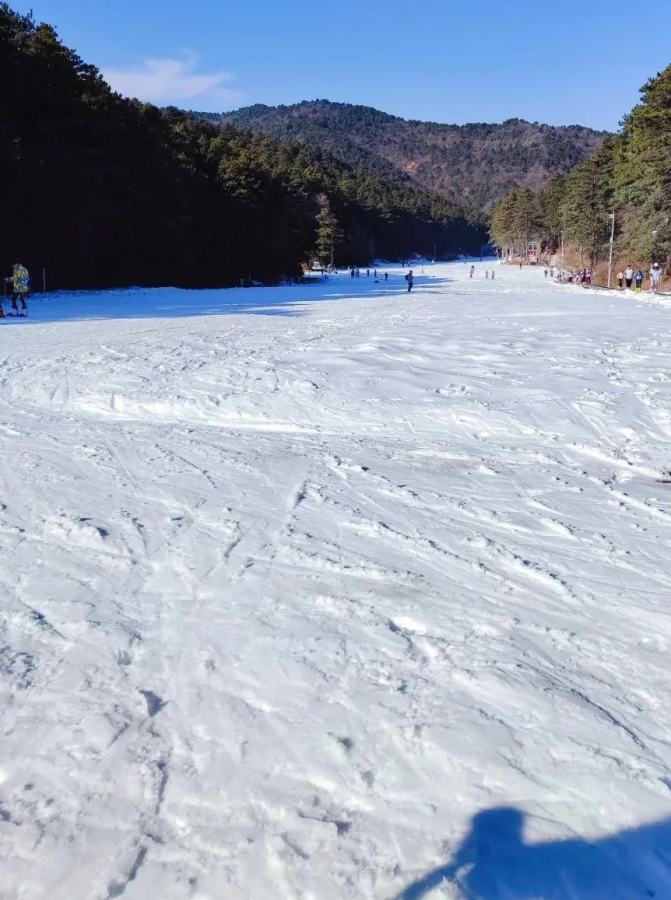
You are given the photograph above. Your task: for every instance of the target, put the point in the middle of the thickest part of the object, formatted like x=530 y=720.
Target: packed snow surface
x=330 y=592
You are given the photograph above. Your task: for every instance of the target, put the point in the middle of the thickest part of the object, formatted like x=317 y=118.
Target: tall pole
x=611 y=216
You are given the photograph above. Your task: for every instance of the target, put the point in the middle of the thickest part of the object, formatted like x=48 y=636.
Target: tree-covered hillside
x=105 y=191
x=628 y=176
x=475 y=163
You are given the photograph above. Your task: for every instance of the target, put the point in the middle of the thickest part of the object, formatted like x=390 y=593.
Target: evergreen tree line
x=628 y=175
x=106 y=191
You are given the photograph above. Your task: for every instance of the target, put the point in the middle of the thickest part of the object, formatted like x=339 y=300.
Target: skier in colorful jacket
x=20 y=288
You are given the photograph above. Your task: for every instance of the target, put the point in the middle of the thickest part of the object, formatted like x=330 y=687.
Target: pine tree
x=642 y=172
x=549 y=208
x=515 y=221
x=525 y=218
x=502 y=229
x=328 y=232
x=588 y=202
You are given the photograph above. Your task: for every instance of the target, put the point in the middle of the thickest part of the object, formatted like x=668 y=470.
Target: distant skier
x=628 y=276
x=487 y=274
x=20 y=281
x=410 y=278
x=638 y=280
x=493 y=274
x=545 y=273
x=367 y=273
x=472 y=272
x=655 y=278
x=386 y=276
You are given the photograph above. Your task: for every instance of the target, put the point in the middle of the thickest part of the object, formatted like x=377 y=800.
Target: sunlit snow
x=330 y=592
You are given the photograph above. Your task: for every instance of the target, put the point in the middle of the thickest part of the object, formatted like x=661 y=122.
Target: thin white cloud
x=173 y=80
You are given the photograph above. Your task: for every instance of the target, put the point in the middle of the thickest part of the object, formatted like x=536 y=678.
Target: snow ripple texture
x=333 y=592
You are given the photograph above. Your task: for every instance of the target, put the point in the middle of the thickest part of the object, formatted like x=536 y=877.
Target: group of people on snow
x=471 y=273
x=628 y=277
x=355 y=272
x=571 y=276
x=19 y=282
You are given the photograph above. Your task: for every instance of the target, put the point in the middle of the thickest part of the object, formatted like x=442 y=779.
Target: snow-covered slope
x=332 y=592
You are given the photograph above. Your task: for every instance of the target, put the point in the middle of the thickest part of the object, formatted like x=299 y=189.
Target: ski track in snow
x=297 y=582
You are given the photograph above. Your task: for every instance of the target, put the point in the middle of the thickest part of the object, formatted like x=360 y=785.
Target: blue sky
x=449 y=61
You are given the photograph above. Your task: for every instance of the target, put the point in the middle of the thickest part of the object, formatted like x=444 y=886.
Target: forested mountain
x=475 y=163
x=628 y=176
x=105 y=191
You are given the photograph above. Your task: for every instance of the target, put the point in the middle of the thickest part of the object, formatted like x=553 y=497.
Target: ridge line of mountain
x=473 y=165
x=341 y=104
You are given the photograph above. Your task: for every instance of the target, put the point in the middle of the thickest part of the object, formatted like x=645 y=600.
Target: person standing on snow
x=655 y=278
x=410 y=278
x=628 y=276
x=20 y=280
x=472 y=272
x=638 y=281
x=493 y=273
x=620 y=279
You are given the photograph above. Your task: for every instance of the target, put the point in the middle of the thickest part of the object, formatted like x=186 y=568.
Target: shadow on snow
x=494 y=863
x=141 y=303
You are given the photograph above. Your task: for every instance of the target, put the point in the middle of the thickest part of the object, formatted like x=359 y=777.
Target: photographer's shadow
x=494 y=863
